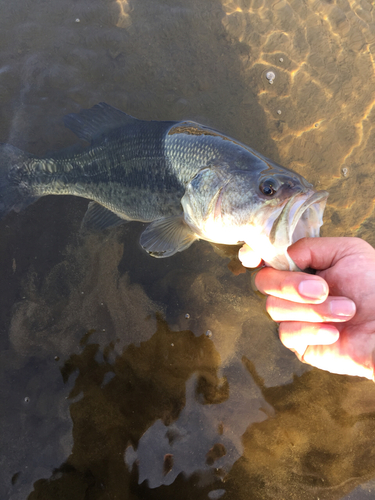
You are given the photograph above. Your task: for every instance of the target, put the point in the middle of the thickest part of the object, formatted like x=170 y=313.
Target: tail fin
x=15 y=193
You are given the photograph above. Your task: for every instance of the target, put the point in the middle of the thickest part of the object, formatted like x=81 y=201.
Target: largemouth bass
x=188 y=181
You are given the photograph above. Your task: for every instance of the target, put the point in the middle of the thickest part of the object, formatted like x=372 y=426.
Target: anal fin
x=165 y=237
x=98 y=217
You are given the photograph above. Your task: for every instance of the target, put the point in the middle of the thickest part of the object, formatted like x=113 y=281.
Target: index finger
x=293 y=286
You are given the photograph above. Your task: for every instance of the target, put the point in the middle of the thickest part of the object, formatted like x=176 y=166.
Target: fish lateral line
x=186 y=180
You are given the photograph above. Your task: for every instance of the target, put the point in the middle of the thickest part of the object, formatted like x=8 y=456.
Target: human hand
x=327 y=319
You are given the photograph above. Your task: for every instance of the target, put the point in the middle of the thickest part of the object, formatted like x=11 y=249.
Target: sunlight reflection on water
x=127 y=395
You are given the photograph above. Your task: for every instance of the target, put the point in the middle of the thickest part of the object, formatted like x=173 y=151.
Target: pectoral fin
x=165 y=237
x=98 y=217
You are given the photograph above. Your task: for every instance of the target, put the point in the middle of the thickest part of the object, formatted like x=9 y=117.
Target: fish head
x=268 y=211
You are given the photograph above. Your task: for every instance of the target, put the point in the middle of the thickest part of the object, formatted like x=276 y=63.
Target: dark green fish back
x=137 y=169
x=188 y=180
x=125 y=168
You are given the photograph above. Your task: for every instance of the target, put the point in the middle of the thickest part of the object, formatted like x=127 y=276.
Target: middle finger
x=335 y=309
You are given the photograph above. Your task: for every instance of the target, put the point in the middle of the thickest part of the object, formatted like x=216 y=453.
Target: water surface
x=110 y=385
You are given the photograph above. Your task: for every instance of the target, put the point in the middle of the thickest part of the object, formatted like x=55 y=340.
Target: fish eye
x=268 y=187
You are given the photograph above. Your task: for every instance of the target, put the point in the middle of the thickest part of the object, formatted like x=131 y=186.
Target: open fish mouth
x=302 y=216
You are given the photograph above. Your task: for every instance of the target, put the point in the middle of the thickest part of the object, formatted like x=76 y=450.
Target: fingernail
x=342 y=307
x=313 y=289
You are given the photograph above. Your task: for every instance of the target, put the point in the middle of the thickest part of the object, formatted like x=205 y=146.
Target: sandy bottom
x=123 y=376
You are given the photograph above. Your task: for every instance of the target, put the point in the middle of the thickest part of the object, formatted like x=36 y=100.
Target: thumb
x=322 y=253
x=248 y=257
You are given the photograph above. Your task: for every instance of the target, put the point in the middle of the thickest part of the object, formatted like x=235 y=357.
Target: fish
x=186 y=180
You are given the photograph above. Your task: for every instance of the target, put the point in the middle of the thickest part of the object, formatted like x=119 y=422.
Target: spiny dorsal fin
x=98 y=217
x=165 y=237
x=90 y=123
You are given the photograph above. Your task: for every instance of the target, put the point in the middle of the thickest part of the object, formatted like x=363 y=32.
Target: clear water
x=107 y=389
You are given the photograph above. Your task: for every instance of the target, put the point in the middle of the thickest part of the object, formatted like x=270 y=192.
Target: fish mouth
x=301 y=216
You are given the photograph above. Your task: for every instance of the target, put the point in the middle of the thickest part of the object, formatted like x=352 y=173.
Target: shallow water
x=108 y=390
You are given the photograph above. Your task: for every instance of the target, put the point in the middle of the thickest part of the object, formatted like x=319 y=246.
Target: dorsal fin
x=90 y=123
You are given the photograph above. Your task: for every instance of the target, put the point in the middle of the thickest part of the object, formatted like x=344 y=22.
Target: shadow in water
x=163 y=398
x=206 y=403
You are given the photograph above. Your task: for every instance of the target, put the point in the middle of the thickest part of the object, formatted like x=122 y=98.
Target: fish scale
x=189 y=181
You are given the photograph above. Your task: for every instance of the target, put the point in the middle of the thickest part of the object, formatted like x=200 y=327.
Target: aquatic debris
x=270 y=75
x=168 y=463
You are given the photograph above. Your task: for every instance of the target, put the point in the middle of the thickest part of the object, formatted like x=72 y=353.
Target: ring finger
x=297 y=336
x=293 y=332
